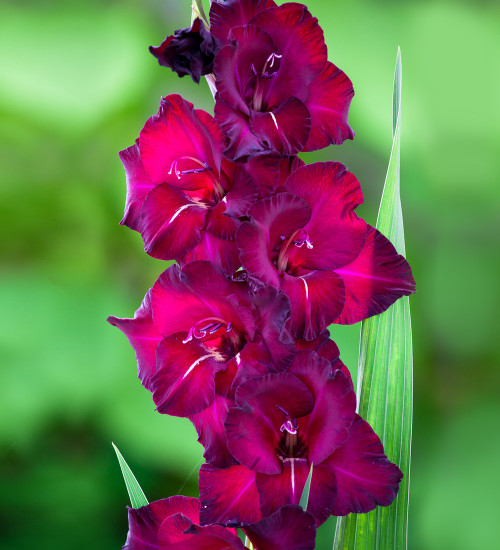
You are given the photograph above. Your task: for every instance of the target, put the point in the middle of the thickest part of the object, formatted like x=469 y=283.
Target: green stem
x=198 y=11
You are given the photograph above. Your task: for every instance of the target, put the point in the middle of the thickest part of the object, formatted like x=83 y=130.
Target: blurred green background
x=76 y=85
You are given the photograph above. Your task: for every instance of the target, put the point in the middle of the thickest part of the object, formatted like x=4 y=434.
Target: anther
x=282 y=410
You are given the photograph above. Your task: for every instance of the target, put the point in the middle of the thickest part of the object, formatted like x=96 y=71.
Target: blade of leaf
x=135 y=493
x=385 y=377
x=304 y=498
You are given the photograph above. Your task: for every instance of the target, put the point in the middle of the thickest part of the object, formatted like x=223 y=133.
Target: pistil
x=204 y=167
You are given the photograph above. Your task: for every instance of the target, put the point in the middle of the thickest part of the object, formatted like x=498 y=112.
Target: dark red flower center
x=218 y=336
x=256 y=85
x=283 y=252
x=204 y=195
x=290 y=444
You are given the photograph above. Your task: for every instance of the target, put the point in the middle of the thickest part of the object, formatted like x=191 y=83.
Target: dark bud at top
x=188 y=52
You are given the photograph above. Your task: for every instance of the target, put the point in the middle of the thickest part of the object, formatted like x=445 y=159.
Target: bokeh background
x=76 y=85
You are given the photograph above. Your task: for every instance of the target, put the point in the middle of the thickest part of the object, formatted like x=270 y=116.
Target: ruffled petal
x=284 y=129
x=228 y=496
x=365 y=477
x=139 y=185
x=253 y=429
x=209 y=425
x=221 y=253
x=325 y=347
x=335 y=233
x=235 y=125
x=144 y=523
x=143 y=336
x=300 y=41
x=374 y=280
x=317 y=299
x=273 y=311
x=242 y=192
x=327 y=427
x=177 y=134
x=171 y=223
x=330 y=96
x=184 y=381
x=271 y=171
x=196 y=537
x=274 y=220
x=234 y=13
x=290 y=528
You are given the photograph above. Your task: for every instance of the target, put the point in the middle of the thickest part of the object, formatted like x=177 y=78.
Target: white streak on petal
x=178 y=211
x=275 y=121
x=197 y=362
x=306 y=287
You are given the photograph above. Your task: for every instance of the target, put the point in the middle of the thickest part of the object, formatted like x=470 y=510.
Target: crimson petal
x=317 y=299
x=184 y=381
x=374 y=280
x=335 y=232
x=253 y=429
x=327 y=427
x=143 y=337
x=234 y=13
x=290 y=528
x=234 y=123
x=300 y=41
x=145 y=522
x=177 y=132
x=285 y=129
x=365 y=477
x=194 y=537
x=171 y=223
x=228 y=496
x=275 y=219
x=286 y=488
x=330 y=96
x=221 y=253
x=209 y=425
x=139 y=185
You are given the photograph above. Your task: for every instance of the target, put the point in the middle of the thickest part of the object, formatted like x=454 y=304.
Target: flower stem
x=198 y=11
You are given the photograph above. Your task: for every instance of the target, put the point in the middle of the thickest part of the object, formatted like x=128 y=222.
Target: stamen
x=289 y=427
x=282 y=410
x=215 y=328
x=229 y=326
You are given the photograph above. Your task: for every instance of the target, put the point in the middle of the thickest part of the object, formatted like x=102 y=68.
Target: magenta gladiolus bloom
x=276 y=89
x=282 y=424
x=308 y=242
x=173 y=524
x=182 y=196
x=197 y=335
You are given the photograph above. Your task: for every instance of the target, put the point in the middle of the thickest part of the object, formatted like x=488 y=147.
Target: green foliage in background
x=385 y=377
x=76 y=85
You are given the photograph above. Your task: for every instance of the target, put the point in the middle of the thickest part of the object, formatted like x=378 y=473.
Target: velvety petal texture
x=364 y=476
x=145 y=522
x=228 y=496
x=374 y=280
x=143 y=336
x=276 y=90
x=290 y=528
x=188 y=52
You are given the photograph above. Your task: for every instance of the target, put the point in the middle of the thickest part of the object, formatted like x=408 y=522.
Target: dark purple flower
x=276 y=90
x=282 y=424
x=182 y=196
x=198 y=335
x=173 y=524
x=308 y=242
x=188 y=52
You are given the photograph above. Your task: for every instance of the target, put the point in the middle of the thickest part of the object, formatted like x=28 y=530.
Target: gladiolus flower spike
x=269 y=252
